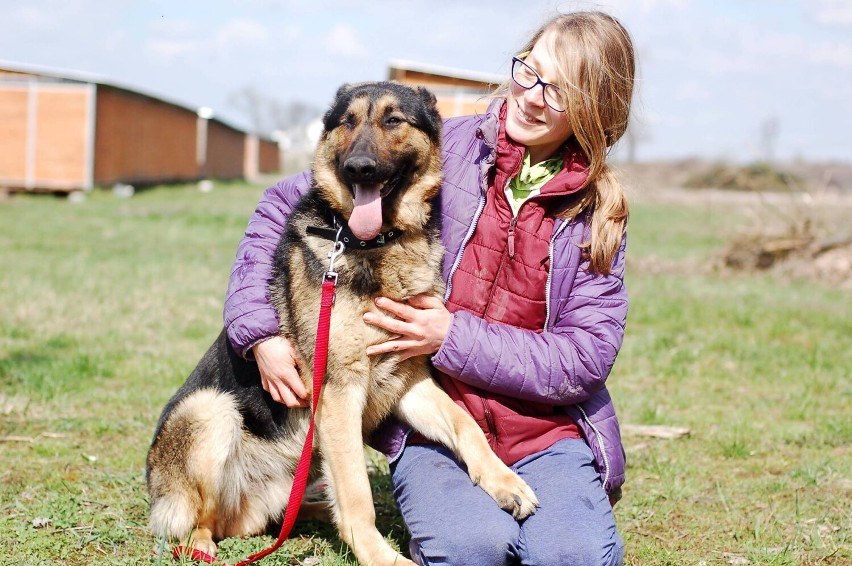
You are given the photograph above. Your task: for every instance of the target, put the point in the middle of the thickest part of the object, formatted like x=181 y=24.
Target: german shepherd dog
x=223 y=456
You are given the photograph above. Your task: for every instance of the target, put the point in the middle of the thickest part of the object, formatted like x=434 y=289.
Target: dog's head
x=378 y=160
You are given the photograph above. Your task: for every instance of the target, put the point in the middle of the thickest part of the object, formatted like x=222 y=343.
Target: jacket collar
x=508 y=155
x=490 y=125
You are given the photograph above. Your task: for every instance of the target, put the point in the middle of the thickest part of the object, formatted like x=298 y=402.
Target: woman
x=534 y=227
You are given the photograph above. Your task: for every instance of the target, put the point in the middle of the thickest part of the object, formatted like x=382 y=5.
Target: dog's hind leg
x=342 y=445
x=194 y=490
x=428 y=409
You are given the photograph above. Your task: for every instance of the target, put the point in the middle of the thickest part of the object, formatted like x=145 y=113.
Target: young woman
x=534 y=225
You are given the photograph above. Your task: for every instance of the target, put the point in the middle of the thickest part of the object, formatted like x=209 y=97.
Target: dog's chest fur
x=399 y=270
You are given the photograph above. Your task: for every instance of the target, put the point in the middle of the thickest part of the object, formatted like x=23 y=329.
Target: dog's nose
x=360 y=166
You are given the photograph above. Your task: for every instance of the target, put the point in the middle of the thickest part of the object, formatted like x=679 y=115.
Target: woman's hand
x=419 y=327
x=279 y=374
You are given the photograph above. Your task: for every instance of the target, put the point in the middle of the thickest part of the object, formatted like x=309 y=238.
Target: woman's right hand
x=279 y=374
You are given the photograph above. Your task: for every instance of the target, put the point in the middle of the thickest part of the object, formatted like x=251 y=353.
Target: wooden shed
x=67 y=131
x=459 y=92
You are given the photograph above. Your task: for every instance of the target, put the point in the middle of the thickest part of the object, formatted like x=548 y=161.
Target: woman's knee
x=582 y=550
x=468 y=544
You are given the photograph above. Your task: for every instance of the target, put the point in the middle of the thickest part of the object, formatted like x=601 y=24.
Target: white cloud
x=652 y=5
x=30 y=16
x=831 y=12
x=832 y=53
x=241 y=31
x=725 y=63
x=692 y=90
x=173 y=27
x=182 y=38
x=343 y=40
x=171 y=48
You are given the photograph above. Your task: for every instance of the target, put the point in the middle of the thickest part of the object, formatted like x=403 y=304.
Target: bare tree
x=769 y=130
x=633 y=136
x=249 y=101
x=267 y=114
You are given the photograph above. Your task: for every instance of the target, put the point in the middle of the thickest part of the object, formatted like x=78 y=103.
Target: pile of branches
x=755 y=177
x=757 y=251
x=796 y=241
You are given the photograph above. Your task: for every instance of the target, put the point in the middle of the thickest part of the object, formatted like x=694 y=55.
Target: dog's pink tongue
x=366 y=219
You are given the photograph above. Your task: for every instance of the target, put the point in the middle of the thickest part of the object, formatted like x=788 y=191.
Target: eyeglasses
x=526 y=77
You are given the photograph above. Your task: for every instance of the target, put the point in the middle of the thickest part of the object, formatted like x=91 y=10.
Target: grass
x=106 y=305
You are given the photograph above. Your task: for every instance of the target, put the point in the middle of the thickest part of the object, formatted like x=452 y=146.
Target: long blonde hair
x=596 y=68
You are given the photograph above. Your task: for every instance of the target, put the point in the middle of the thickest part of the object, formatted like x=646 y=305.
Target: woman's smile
x=528 y=118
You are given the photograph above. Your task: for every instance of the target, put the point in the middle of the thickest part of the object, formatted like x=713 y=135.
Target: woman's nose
x=535 y=96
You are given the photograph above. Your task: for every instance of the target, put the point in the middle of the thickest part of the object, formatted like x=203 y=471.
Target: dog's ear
x=344 y=88
x=331 y=119
x=427 y=96
x=431 y=118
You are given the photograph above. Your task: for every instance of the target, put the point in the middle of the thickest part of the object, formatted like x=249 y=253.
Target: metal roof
x=491 y=78
x=66 y=75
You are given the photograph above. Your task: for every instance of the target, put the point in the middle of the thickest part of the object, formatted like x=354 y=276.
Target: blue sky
x=713 y=74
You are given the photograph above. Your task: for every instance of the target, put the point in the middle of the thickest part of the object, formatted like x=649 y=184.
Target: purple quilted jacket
x=566 y=365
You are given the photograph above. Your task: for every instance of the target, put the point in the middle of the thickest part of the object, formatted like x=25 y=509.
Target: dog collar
x=350 y=240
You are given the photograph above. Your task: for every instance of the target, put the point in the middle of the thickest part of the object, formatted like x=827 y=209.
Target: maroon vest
x=502 y=278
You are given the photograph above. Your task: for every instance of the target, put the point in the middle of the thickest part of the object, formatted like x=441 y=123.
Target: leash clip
x=336 y=252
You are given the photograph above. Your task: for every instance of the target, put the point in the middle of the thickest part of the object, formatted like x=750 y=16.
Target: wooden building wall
x=269 y=157
x=68 y=134
x=46 y=141
x=13 y=142
x=62 y=136
x=225 y=152
x=456 y=96
x=142 y=140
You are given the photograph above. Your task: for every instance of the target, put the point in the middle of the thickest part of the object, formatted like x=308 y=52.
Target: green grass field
x=106 y=306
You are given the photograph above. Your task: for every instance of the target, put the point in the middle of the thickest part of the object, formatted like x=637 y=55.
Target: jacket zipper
x=550 y=275
x=511 y=240
x=466 y=239
x=598 y=436
x=601 y=446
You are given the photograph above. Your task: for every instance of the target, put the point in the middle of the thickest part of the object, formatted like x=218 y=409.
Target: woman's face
x=530 y=121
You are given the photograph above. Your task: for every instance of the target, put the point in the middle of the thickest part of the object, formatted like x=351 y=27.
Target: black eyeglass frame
x=538 y=81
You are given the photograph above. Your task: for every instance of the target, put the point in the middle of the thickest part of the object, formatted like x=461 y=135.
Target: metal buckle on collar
x=336 y=252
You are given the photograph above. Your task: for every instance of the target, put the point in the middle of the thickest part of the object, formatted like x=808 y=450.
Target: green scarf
x=530 y=180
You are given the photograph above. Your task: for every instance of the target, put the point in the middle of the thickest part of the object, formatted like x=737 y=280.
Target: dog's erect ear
x=331 y=119
x=427 y=96
x=343 y=89
x=431 y=119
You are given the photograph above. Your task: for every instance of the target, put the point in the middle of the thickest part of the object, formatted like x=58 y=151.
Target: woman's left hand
x=420 y=326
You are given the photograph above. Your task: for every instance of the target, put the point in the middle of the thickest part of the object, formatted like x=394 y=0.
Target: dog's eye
x=348 y=121
x=393 y=121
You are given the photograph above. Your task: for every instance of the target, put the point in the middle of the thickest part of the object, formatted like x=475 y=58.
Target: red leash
x=300 y=478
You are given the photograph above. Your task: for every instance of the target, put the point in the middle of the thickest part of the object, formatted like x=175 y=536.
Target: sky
x=737 y=80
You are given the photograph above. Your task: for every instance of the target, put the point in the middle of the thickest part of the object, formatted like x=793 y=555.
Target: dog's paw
x=202 y=540
x=510 y=492
x=384 y=557
x=400 y=560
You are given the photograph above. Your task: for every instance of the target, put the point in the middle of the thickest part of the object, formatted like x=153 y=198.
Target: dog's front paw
x=202 y=540
x=386 y=557
x=400 y=560
x=510 y=492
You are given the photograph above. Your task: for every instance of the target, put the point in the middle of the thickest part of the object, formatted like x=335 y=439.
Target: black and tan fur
x=224 y=452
